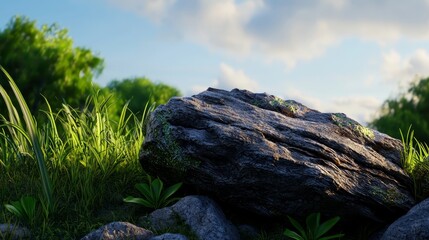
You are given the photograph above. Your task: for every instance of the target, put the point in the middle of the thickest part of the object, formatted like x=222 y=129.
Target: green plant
x=29 y=132
x=314 y=230
x=415 y=161
x=24 y=209
x=154 y=194
x=410 y=106
x=44 y=61
x=90 y=155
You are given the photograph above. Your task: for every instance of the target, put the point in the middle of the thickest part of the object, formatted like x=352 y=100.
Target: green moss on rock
x=168 y=153
x=285 y=107
x=342 y=120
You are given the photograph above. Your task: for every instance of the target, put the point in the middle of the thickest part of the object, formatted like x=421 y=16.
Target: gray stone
x=412 y=226
x=205 y=218
x=160 y=219
x=11 y=231
x=170 y=236
x=274 y=157
x=119 y=230
x=200 y=213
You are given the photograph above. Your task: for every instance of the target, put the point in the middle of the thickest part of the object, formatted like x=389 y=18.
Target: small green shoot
x=154 y=194
x=314 y=230
x=24 y=209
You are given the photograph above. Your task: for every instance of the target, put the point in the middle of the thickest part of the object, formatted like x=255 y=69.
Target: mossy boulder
x=273 y=157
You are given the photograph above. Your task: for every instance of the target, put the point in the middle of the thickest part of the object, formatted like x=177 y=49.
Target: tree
x=411 y=108
x=140 y=91
x=45 y=62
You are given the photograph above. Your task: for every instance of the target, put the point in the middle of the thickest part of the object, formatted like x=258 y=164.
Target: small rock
x=10 y=231
x=160 y=219
x=170 y=236
x=412 y=226
x=119 y=230
x=201 y=214
x=205 y=218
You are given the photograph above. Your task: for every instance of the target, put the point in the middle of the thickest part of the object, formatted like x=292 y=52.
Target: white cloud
x=230 y=78
x=338 y=4
x=217 y=24
x=403 y=69
x=154 y=9
x=359 y=108
x=288 y=31
x=305 y=99
x=196 y=89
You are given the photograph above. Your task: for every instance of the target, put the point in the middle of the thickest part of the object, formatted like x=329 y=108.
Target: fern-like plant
x=154 y=194
x=314 y=231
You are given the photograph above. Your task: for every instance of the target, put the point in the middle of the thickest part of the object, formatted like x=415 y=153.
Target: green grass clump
x=77 y=163
x=415 y=161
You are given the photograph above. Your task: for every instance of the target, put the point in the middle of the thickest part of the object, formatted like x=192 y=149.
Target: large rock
x=273 y=157
x=414 y=225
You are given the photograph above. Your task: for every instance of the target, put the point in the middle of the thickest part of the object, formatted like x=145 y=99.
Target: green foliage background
x=44 y=62
x=409 y=108
x=141 y=90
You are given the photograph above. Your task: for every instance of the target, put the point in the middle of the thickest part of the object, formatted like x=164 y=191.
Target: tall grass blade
x=33 y=135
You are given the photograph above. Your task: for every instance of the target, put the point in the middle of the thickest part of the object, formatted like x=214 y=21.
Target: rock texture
x=14 y=232
x=200 y=213
x=119 y=230
x=274 y=157
x=169 y=236
x=414 y=225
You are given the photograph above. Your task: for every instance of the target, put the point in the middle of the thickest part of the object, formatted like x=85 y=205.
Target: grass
x=415 y=161
x=77 y=163
x=27 y=132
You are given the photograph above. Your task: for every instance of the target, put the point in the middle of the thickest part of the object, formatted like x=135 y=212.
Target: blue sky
x=331 y=55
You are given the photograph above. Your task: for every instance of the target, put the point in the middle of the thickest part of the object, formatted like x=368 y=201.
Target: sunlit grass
x=77 y=162
x=27 y=134
x=415 y=161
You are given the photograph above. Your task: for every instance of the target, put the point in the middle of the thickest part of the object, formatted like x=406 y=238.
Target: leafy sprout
x=24 y=209
x=314 y=231
x=154 y=194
